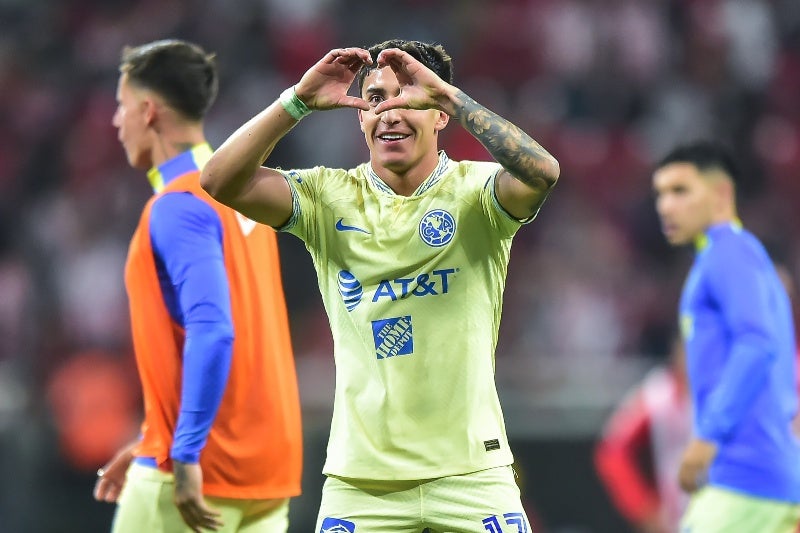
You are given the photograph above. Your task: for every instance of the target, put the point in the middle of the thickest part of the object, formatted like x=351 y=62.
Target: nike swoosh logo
x=341 y=226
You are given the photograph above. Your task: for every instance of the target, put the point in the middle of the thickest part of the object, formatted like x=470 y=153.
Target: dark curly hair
x=432 y=56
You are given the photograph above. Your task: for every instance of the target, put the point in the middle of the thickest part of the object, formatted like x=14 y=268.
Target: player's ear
x=441 y=121
x=150 y=111
x=730 y=190
x=360 y=119
x=723 y=190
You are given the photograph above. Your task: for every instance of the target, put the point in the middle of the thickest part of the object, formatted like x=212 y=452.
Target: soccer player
x=221 y=434
x=639 y=452
x=411 y=250
x=742 y=465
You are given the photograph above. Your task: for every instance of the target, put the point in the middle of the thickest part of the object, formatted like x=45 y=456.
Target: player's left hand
x=697 y=458
x=189 y=498
x=420 y=87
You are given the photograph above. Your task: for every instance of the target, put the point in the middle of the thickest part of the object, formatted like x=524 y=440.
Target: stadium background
x=606 y=85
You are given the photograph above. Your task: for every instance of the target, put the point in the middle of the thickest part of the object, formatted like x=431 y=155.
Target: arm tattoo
x=515 y=150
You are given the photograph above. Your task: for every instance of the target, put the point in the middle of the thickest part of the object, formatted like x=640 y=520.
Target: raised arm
x=234 y=175
x=529 y=170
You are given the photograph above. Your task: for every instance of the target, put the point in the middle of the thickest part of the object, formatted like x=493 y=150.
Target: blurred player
x=221 y=435
x=411 y=252
x=742 y=465
x=639 y=453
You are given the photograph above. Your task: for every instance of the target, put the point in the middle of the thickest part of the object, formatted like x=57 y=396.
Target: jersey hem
x=385 y=475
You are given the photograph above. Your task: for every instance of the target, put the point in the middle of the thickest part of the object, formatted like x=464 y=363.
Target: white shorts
x=480 y=502
x=146 y=504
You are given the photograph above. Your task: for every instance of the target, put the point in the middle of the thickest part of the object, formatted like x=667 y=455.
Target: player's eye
x=375 y=99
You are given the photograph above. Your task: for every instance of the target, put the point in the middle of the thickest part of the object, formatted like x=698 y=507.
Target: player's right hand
x=325 y=85
x=111 y=477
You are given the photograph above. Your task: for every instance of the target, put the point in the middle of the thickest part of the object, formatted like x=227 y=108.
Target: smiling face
x=399 y=140
x=687 y=201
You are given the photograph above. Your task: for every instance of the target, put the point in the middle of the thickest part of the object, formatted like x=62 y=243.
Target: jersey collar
x=188 y=161
x=702 y=241
x=429 y=182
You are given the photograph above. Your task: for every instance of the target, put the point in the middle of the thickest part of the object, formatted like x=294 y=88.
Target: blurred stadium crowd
x=607 y=86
